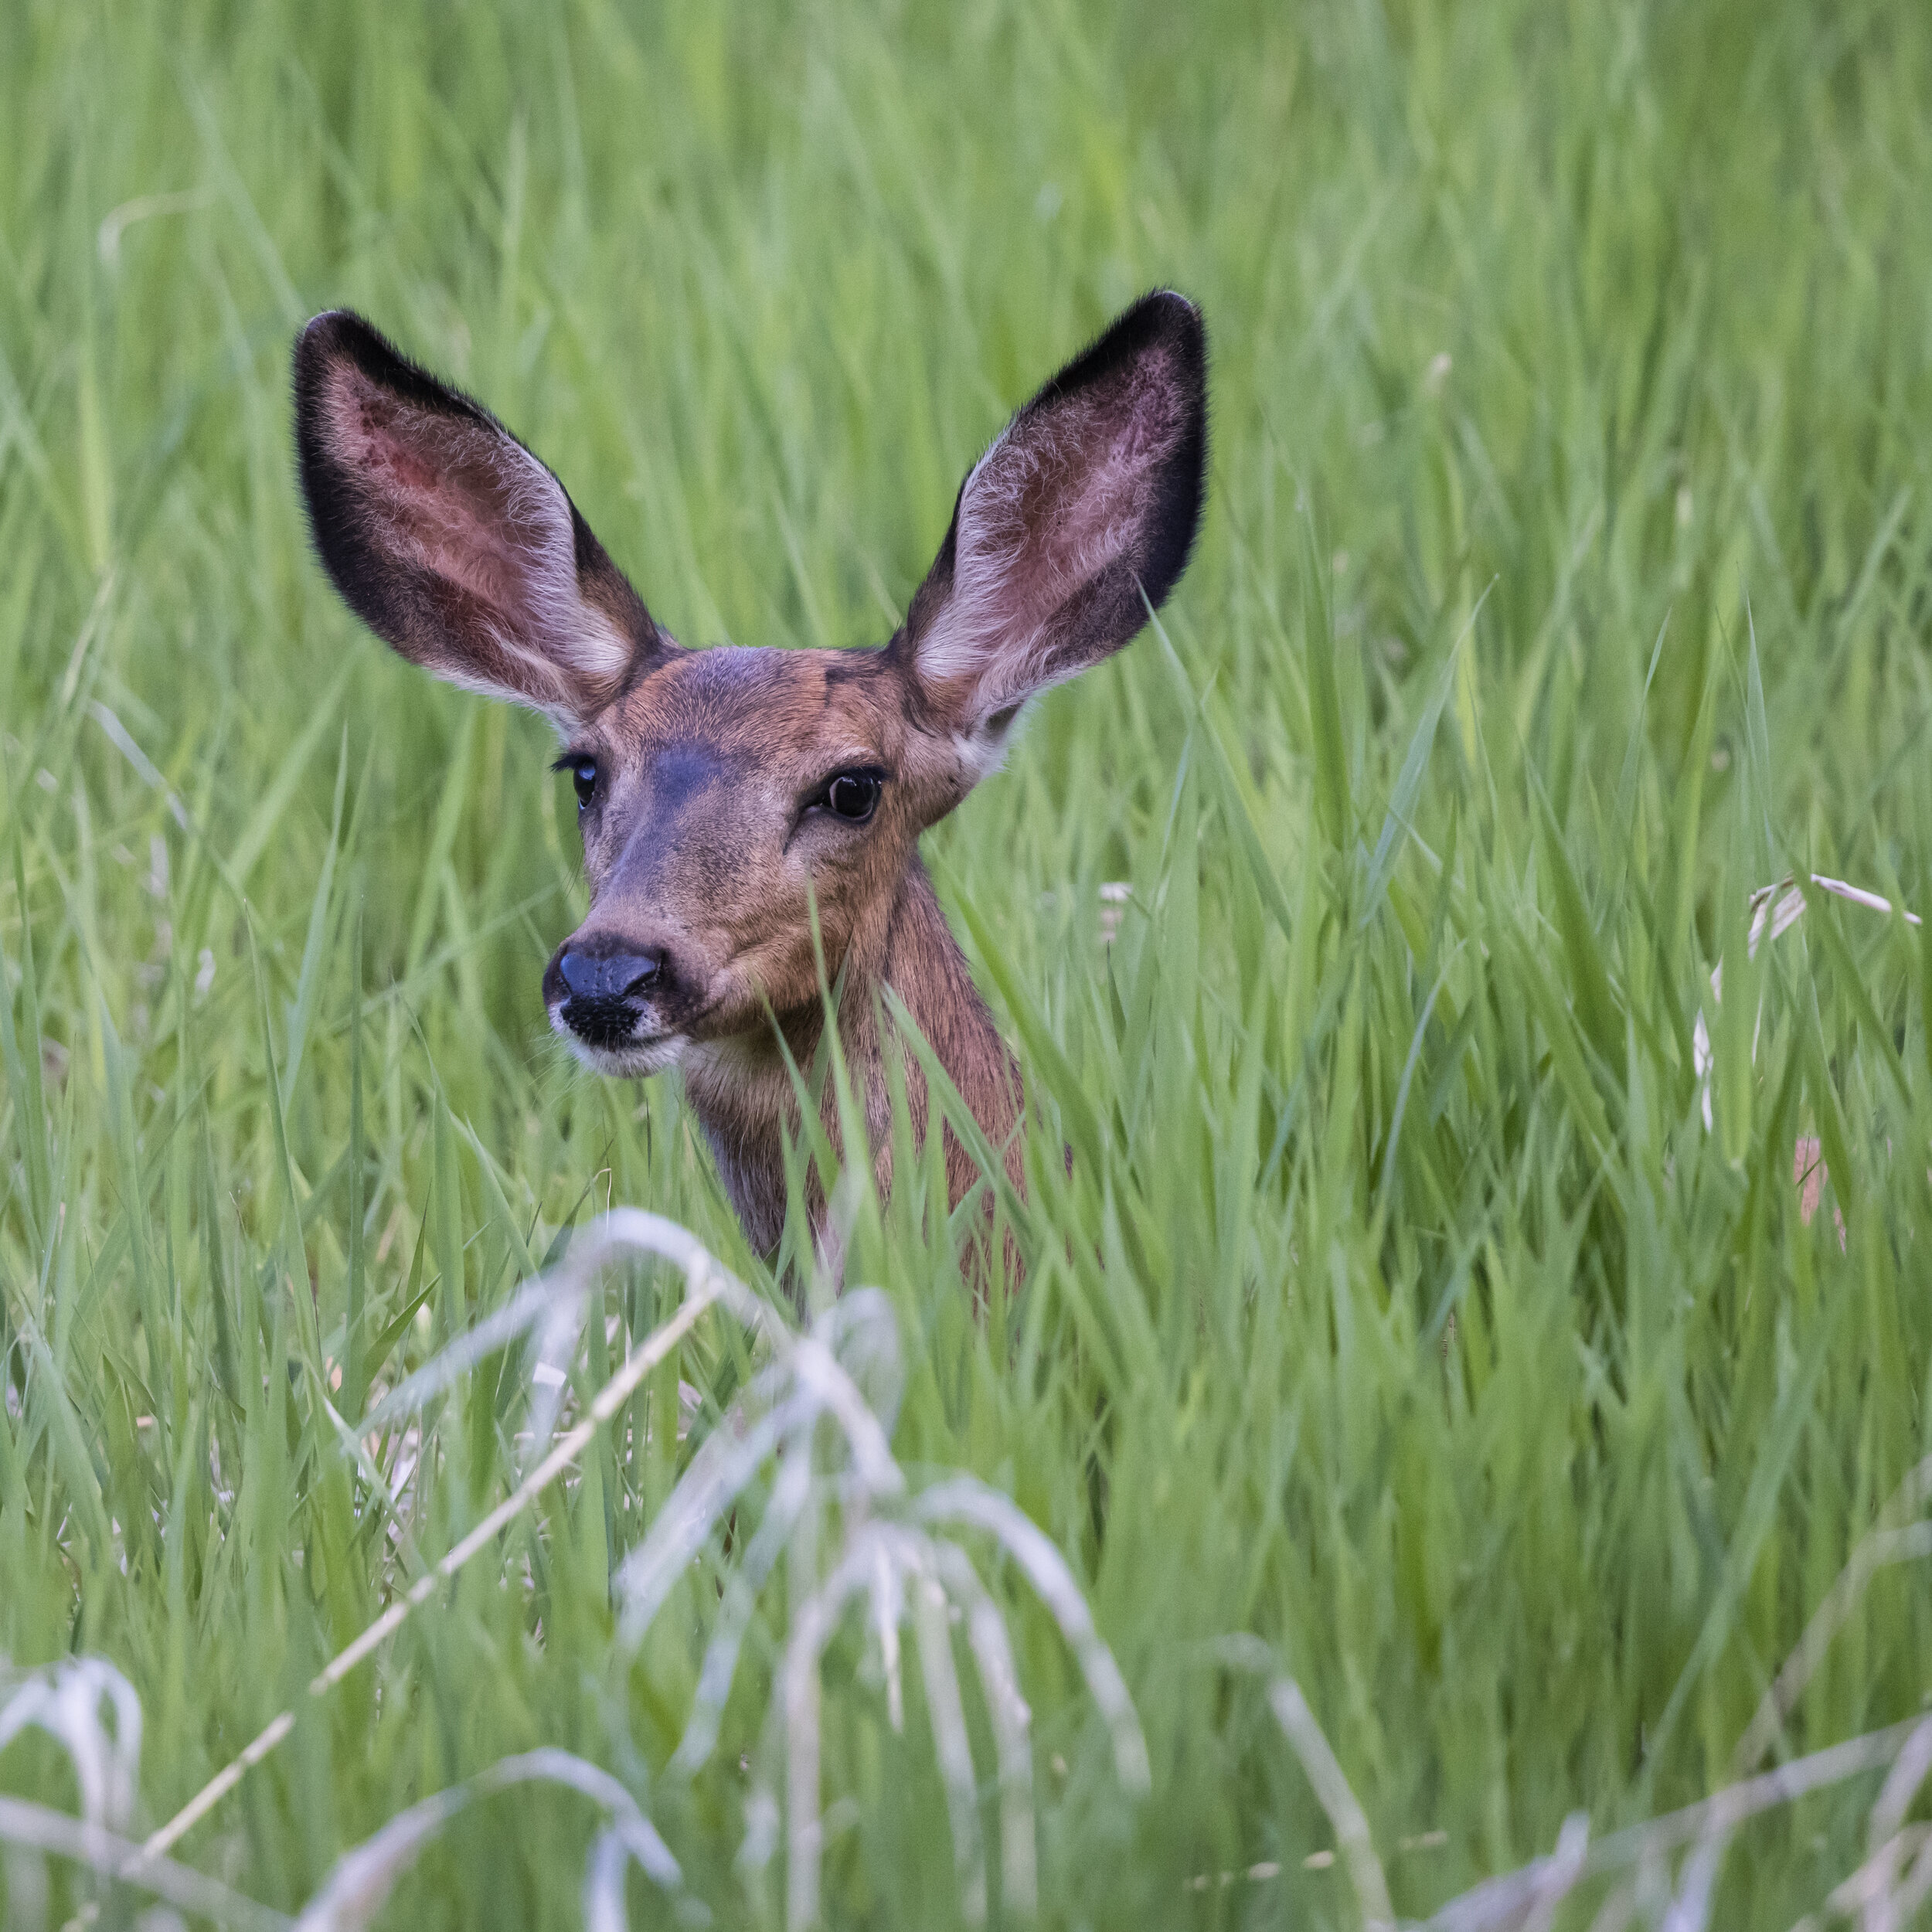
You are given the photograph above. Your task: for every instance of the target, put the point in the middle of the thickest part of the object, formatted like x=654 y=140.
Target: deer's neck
x=741 y=1091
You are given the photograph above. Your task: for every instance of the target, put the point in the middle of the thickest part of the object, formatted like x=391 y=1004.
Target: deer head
x=727 y=795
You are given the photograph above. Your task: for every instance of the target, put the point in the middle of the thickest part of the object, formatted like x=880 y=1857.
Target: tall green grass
x=1566 y=578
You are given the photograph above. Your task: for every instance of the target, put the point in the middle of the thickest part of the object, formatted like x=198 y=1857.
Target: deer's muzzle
x=597 y=986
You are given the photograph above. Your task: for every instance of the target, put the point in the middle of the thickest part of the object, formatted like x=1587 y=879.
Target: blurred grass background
x=1565 y=579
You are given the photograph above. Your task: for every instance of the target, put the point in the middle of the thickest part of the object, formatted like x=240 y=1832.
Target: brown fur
x=712 y=836
x=715 y=867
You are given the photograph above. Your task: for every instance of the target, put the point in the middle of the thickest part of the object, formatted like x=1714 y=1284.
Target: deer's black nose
x=607 y=976
x=597 y=985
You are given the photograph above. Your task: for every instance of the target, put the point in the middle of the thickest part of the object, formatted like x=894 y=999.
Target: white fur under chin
x=633 y=1063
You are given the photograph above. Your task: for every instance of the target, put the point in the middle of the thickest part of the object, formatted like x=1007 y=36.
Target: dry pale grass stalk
x=1323 y=1771
x=840 y=1510
x=72 y=1702
x=1889 y=1888
x=951 y=1746
x=1883 y=1892
x=67 y=1702
x=1774 y=910
x=850 y=1528
x=1506 y=1902
x=37 y=1827
x=623 y=1231
x=360 y=1882
x=1350 y=1823
x=1566 y=1868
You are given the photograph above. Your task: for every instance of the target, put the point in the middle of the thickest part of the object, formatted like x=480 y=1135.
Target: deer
x=751 y=816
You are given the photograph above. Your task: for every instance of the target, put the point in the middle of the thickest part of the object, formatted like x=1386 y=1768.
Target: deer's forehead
x=750 y=708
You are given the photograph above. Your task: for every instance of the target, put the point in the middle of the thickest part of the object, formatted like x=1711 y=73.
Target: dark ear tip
x=1167 y=318
x=1165 y=315
x=1163 y=319
x=336 y=335
x=319 y=329
x=1173 y=319
x=340 y=335
x=1176 y=315
x=336 y=332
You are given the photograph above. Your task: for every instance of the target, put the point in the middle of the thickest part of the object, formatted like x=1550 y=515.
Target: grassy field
x=1418 y=1324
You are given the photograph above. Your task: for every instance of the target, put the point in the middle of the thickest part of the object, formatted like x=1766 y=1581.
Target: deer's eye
x=852 y=796
x=584 y=775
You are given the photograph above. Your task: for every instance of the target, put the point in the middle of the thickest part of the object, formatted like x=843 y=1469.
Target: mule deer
x=723 y=794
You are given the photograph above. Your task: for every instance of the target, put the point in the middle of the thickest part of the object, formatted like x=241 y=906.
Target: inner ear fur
x=449 y=539
x=1080 y=518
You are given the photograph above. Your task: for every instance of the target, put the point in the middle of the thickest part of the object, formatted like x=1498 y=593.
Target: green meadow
x=1465 y=1355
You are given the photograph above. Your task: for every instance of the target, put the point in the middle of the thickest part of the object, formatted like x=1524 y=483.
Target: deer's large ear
x=447 y=538
x=1085 y=506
